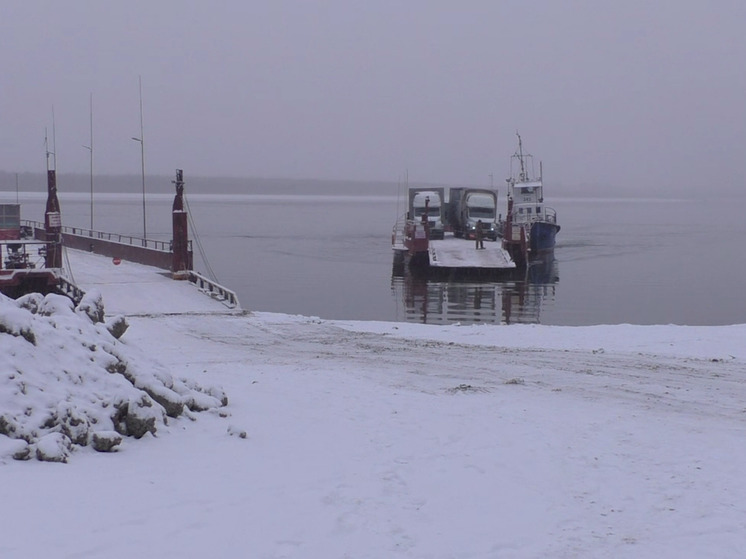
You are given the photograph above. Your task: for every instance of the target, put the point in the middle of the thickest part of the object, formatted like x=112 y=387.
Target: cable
x=198 y=242
x=68 y=269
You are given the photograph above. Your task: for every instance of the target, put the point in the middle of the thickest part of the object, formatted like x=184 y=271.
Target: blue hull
x=542 y=238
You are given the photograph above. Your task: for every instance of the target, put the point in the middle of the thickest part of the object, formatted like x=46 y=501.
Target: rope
x=198 y=242
x=67 y=260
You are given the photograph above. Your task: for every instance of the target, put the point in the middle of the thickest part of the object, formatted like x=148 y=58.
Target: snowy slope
x=372 y=439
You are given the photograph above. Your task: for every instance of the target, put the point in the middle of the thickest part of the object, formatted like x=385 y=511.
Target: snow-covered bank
x=67 y=382
x=368 y=439
x=715 y=342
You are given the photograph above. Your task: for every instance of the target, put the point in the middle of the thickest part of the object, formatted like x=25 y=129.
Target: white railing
x=214 y=290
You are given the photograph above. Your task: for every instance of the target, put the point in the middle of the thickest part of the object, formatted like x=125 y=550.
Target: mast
x=520 y=156
x=541 y=181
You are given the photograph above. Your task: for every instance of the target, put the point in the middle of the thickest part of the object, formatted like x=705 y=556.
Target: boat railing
x=550 y=215
x=547 y=214
x=23 y=254
x=398 y=233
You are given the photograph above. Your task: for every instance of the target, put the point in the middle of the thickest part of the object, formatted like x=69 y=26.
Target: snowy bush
x=67 y=382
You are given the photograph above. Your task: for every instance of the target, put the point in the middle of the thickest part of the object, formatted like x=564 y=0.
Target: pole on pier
x=180 y=263
x=53 y=223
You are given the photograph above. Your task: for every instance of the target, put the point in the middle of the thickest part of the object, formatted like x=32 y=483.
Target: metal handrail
x=214 y=289
x=70 y=289
x=163 y=246
x=549 y=215
x=398 y=233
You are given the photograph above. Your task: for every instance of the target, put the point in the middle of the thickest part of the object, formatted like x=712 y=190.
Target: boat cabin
x=528 y=203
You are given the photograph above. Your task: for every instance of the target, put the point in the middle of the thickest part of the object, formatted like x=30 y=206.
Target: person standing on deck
x=478 y=235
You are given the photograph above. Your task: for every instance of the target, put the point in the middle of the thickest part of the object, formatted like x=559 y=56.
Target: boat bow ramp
x=459 y=253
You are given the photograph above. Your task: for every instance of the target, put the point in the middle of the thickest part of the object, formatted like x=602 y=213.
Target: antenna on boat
x=520 y=156
x=541 y=179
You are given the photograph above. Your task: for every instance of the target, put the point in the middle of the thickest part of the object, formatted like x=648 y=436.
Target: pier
x=42 y=269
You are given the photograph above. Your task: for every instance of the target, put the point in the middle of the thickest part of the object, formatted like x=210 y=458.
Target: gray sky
x=609 y=93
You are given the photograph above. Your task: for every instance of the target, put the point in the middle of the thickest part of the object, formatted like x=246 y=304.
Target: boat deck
x=461 y=253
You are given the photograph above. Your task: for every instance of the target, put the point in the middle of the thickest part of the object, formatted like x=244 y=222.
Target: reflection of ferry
x=518 y=298
x=530 y=227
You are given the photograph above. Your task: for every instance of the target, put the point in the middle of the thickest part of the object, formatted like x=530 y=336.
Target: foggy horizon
x=626 y=98
x=35 y=182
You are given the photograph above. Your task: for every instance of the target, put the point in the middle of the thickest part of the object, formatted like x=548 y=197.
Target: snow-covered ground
x=371 y=439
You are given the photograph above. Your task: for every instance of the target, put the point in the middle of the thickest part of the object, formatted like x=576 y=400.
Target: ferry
x=421 y=242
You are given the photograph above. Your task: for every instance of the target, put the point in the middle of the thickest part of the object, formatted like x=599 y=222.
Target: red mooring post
x=180 y=262
x=53 y=224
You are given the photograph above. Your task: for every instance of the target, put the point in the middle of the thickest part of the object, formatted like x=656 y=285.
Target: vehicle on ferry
x=468 y=207
x=427 y=205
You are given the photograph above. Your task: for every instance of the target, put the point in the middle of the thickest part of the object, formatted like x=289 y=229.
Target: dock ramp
x=131 y=289
x=460 y=253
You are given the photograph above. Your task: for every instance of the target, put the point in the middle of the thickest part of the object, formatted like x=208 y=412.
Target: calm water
x=617 y=261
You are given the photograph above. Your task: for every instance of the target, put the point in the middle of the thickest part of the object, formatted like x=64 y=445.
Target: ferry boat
x=530 y=227
x=420 y=242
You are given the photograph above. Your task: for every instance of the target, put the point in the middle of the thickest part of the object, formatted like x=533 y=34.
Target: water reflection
x=517 y=298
